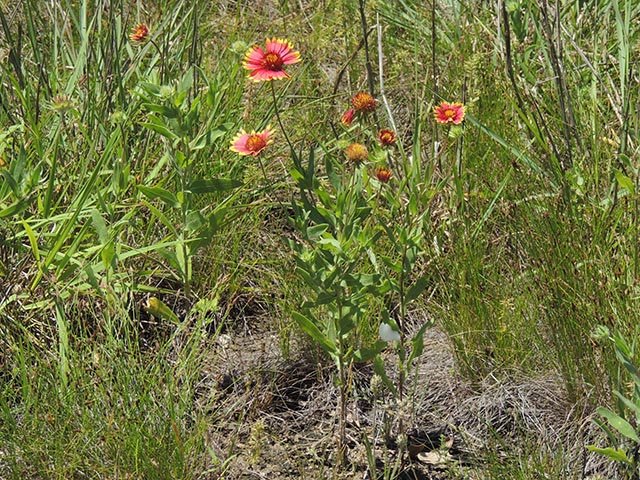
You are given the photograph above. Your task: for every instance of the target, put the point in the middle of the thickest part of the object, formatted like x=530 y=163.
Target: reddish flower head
x=251 y=143
x=356 y=152
x=139 y=33
x=383 y=174
x=387 y=137
x=363 y=102
x=268 y=64
x=449 y=113
x=347 y=118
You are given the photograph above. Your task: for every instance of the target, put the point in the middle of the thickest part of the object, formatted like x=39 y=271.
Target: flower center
x=357 y=152
x=363 y=102
x=272 y=61
x=449 y=113
x=255 y=143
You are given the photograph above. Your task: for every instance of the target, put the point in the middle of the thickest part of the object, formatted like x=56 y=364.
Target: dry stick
x=563 y=79
x=506 y=32
x=381 y=82
x=336 y=84
x=434 y=71
x=363 y=21
x=561 y=85
x=275 y=108
x=381 y=75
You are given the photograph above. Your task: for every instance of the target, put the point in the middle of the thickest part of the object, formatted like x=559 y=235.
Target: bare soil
x=274 y=417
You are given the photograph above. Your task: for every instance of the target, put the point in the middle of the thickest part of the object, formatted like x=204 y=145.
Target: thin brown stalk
x=555 y=52
x=369 y=67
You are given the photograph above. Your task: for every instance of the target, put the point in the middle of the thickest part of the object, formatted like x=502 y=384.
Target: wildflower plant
x=268 y=63
x=176 y=115
x=449 y=113
x=253 y=144
x=452 y=115
x=139 y=34
x=622 y=427
x=337 y=236
x=345 y=219
x=341 y=217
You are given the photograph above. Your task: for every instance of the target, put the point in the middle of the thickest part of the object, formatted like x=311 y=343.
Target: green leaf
x=163 y=110
x=11 y=182
x=13 y=209
x=194 y=221
x=620 y=424
x=391 y=264
x=316 y=231
x=314 y=332
x=417 y=343
x=617 y=454
x=216 y=218
x=416 y=289
x=207 y=138
x=346 y=323
x=107 y=254
x=157 y=213
x=32 y=240
x=213 y=185
x=157 y=192
x=150 y=88
x=366 y=354
x=157 y=125
x=603 y=426
x=159 y=309
x=378 y=367
x=108 y=249
x=625 y=182
x=100 y=226
x=330 y=244
x=186 y=82
x=635 y=408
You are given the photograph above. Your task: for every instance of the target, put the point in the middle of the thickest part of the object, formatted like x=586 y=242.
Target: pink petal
x=290 y=58
x=256 y=55
x=274 y=45
x=239 y=144
x=264 y=74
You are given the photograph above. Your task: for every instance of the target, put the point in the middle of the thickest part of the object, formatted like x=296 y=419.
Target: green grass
x=531 y=238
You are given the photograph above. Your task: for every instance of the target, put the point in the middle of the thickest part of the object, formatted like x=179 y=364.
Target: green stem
x=275 y=108
x=342 y=435
x=162 y=65
x=184 y=175
x=264 y=172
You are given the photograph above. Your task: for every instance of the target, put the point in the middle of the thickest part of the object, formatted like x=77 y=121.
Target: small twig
x=275 y=108
x=381 y=75
x=434 y=71
x=336 y=84
x=568 y=123
x=365 y=31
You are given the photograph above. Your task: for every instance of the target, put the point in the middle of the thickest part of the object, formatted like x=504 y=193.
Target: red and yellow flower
x=449 y=113
x=356 y=152
x=347 y=118
x=383 y=174
x=251 y=143
x=268 y=64
x=363 y=102
x=387 y=137
x=139 y=33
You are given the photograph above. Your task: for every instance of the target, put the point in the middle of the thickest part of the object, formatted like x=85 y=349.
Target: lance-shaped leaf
x=157 y=192
x=314 y=332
